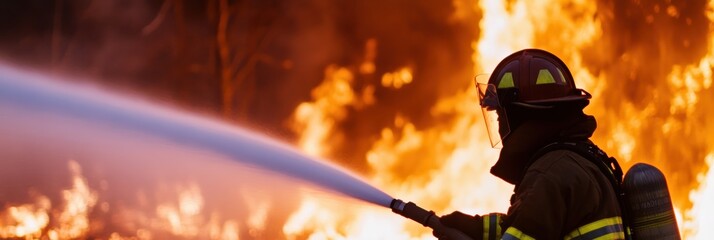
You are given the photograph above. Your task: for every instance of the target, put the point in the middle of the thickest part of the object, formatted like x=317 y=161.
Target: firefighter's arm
x=536 y=212
x=476 y=227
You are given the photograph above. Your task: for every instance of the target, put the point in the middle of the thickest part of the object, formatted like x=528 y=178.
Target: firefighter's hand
x=472 y=226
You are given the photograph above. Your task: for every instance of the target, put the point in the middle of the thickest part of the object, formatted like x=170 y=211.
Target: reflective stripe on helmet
x=544 y=77
x=506 y=81
x=608 y=228
x=514 y=234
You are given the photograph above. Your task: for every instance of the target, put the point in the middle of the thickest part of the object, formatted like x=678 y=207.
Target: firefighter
x=530 y=103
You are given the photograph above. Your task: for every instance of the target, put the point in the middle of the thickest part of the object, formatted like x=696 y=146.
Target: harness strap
x=607 y=165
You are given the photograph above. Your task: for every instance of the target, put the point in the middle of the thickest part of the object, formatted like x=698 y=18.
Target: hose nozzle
x=426 y=218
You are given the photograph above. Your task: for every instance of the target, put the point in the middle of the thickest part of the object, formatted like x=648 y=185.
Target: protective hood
x=534 y=134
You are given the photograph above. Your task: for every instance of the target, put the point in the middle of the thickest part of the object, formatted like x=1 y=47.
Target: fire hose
x=426 y=218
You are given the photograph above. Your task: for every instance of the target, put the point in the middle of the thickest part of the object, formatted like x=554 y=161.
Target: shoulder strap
x=607 y=165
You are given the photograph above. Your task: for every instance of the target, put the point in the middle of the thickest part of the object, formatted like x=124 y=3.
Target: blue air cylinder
x=648 y=204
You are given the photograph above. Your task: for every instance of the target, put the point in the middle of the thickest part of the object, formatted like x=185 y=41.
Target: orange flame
x=433 y=166
x=398 y=78
x=697 y=218
x=74 y=220
x=26 y=220
x=30 y=221
x=184 y=219
x=445 y=166
x=316 y=120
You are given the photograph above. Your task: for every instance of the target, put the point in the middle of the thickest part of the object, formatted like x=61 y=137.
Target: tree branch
x=154 y=24
x=227 y=88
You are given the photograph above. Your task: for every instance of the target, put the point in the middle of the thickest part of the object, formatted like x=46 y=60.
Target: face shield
x=493 y=113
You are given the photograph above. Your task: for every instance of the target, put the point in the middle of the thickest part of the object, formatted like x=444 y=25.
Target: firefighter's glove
x=470 y=225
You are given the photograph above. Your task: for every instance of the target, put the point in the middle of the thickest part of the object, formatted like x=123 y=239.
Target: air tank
x=648 y=203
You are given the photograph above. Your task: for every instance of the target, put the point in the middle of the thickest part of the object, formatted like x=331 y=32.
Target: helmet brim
x=584 y=95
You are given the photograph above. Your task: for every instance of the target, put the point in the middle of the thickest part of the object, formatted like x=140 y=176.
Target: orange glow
x=398 y=78
x=257 y=218
x=184 y=219
x=74 y=220
x=441 y=163
x=30 y=220
x=696 y=219
x=26 y=220
x=433 y=166
x=370 y=54
x=316 y=120
x=399 y=152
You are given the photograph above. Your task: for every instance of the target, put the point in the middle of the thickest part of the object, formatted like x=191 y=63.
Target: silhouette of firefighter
x=565 y=187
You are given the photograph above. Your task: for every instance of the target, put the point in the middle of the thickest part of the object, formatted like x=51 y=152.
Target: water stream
x=40 y=93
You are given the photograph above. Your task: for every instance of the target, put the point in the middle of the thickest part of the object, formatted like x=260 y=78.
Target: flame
x=434 y=165
x=32 y=220
x=230 y=231
x=444 y=166
x=259 y=208
x=316 y=120
x=398 y=78
x=319 y=218
x=370 y=54
x=185 y=219
x=695 y=220
x=74 y=220
x=26 y=220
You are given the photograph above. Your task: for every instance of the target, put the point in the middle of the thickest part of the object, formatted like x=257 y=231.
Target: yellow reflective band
x=498 y=227
x=615 y=235
x=513 y=234
x=544 y=77
x=599 y=224
x=612 y=228
x=486 y=220
x=489 y=230
x=506 y=81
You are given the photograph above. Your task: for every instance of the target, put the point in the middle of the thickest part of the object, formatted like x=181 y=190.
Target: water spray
x=426 y=218
x=38 y=93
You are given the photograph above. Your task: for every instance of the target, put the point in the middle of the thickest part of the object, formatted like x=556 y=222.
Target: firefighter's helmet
x=530 y=78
